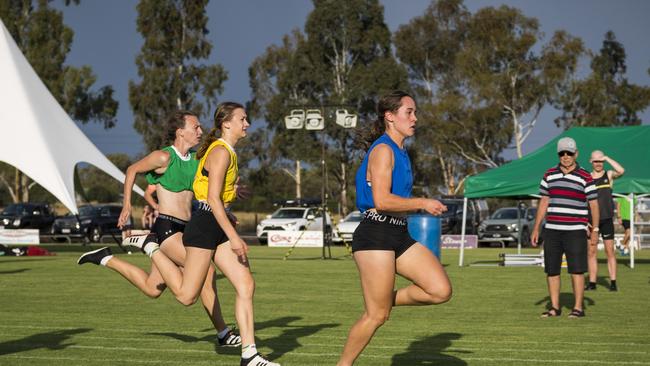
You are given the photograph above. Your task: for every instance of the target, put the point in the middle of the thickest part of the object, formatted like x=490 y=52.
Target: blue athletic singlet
x=402 y=176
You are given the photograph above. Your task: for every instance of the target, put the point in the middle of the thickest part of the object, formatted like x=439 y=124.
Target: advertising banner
x=453 y=241
x=19 y=236
x=307 y=238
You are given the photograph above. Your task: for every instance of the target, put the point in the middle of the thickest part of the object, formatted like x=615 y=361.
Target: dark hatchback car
x=27 y=216
x=452 y=220
x=94 y=222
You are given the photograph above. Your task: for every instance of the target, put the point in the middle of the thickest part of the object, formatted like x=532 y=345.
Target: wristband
x=595 y=229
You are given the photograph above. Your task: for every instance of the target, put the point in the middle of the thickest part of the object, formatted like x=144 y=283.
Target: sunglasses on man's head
x=562 y=153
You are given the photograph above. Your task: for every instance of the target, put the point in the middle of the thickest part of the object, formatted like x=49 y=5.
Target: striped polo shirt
x=568 y=207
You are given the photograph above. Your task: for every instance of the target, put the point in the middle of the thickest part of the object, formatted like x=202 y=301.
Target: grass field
x=57 y=313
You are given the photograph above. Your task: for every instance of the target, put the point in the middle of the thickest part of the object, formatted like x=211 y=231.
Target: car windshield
x=18 y=209
x=505 y=213
x=354 y=216
x=86 y=210
x=288 y=214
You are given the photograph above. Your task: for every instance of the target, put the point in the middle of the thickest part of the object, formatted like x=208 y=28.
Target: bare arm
x=618 y=168
x=148 y=196
x=541 y=213
x=217 y=164
x=380 y=166
x=154 y=161
x=595 y=220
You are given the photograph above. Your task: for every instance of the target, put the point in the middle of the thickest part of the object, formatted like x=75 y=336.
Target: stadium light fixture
x=295 y=120
x=345 y=119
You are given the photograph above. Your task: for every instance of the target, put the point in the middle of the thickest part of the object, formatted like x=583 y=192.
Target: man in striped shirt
x=568 y=194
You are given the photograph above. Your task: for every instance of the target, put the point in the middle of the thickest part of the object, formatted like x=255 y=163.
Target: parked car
x=345 y=228
x=452 y=219
x=27 y=216
x=293 y=219
x=504 y=227
x=93 y=222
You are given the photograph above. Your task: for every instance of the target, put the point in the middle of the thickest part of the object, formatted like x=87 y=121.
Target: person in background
x=604 y=181
x=623 y=215
x=567 y=194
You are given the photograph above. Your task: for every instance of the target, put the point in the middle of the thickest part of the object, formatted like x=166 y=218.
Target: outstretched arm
x=154 y=161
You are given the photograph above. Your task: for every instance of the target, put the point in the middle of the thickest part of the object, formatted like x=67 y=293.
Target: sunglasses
x=563 y=153
x=597 y=161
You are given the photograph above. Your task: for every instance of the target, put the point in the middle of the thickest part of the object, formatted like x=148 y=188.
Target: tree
x=480 y=83
x=175 y=40
x=605 y=97
x=45 y=41
x=343 y=59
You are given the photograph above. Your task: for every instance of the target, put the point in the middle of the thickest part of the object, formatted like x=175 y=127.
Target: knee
x=186 y=300
x=439 y=294
x=245 y=288
x=377 y=318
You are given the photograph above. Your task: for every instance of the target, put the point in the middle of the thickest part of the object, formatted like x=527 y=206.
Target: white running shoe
x=257 y=360
x=137 y=241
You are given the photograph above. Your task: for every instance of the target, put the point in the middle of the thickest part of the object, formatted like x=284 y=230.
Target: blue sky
x=106 y=39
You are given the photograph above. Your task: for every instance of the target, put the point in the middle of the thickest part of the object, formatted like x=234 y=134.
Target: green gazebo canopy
x=629 y=146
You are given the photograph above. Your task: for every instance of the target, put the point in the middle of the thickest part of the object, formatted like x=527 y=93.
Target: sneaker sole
x=90 y=253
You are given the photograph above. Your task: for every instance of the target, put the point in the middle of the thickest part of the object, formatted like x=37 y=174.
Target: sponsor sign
x=19 y=236
x=307 y=238
x=453 y=241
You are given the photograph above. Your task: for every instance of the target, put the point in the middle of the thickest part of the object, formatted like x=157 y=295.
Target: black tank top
x=605 y=200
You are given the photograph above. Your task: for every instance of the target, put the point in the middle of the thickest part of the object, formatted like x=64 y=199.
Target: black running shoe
x=613 y=288
x=590 y=287
x=231 y=339
x=94 y=256
x=257 y=360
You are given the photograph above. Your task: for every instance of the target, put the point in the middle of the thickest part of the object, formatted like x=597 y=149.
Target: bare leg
x=611 y=259
x=626 y=239
x=240 y=276
x=578 y=281
x=554 y=289
x=592 y=262
x=186 y=285
x=175 y=250
x=377 y=272
x=430 y=282
x=151 y=284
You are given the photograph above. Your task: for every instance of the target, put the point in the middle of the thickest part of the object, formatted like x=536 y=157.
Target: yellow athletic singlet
x=200 y=185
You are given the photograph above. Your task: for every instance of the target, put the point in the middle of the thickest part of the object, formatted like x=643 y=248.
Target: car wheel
x=525 y=238
x=95 y=234
x=262 y=241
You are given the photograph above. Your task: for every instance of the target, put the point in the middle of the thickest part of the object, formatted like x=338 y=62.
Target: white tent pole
x=631 y=244
x=462 y=233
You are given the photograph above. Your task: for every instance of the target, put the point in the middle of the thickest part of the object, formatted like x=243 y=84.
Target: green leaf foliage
x=605 y=97
x=172 y=76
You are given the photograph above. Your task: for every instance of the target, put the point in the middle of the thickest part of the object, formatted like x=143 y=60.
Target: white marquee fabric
x=39 y=137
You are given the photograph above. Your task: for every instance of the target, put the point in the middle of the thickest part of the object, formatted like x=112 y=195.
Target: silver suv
x=503 y=226
x=293 y=219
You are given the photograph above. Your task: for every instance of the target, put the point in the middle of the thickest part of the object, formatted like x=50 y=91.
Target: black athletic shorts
x=606 y=227
x=203 y=231
x=626 y=224
x=571 y=243
x=382 y=232
x=166 y=226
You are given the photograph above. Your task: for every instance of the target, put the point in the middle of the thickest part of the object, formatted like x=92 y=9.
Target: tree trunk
x=344 y=190
x=298 y=193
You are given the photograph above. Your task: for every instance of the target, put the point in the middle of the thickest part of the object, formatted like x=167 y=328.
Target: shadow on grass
x=288 y=340
x=566 y=300
x=285 y=342
x=429 y=351
x=23 y=259
x=50 y=340
x=21 y=270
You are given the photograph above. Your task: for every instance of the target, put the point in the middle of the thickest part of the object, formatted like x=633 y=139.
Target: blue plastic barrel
x=425 y=229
